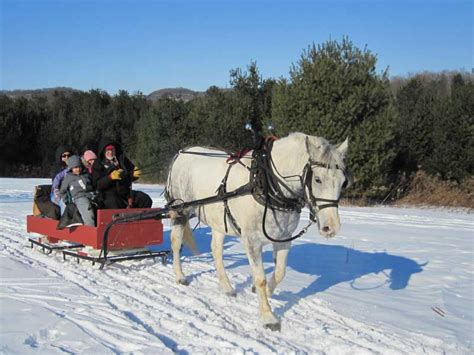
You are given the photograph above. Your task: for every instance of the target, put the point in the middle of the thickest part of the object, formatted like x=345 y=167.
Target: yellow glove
x=136 y=173
x=116 y=174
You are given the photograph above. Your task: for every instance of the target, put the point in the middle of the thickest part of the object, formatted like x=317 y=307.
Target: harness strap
x=221 y=191
x=214 y=155
x=268 y=186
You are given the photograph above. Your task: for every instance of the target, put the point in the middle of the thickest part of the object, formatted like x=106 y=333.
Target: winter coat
x=61 y=166
x=70 y=218
x=113 y=190
x=58 y=179
x=77 y=186
x=62 y=169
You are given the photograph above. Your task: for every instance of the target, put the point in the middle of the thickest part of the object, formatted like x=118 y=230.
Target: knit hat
x=74 y=162
x=109 y=147
x=89 y=154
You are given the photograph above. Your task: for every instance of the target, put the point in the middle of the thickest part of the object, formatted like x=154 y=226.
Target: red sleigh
x=130 y=241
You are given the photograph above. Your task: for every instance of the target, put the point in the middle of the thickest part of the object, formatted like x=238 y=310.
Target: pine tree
x=334 y=92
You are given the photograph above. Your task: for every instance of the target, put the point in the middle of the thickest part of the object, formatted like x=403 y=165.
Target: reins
x=269 y=183
x=298 y=201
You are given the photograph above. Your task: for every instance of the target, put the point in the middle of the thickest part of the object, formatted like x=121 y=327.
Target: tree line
x=395 y=127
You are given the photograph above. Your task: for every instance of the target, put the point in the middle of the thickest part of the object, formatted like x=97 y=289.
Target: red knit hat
x=110 y=147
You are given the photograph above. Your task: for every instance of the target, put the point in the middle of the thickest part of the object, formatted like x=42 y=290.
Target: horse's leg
x=280 y=254
x=177 y=232
x=217 y=246
x=254 y=253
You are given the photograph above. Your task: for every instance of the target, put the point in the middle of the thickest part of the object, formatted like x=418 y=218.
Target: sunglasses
x=65 y=155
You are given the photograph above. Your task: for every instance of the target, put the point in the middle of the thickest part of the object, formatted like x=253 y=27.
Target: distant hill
x=38 y=92
x=174 y=93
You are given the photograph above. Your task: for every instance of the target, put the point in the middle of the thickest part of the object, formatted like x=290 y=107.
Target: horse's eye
x=317 y=179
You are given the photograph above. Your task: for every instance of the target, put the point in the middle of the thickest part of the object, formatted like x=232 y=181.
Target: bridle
x=310 y=198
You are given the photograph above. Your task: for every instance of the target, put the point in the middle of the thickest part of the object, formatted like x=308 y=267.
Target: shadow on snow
x=332 y=264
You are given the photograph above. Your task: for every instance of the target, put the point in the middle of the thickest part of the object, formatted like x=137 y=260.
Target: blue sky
x=147 y=45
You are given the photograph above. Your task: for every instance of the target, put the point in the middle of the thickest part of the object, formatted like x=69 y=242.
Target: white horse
x=294 y=158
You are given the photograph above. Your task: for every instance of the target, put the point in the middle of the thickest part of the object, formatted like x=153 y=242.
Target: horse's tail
x=179 y=219
x=188 y=239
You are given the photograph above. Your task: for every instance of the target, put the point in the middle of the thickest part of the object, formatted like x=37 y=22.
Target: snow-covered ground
x=393 y=281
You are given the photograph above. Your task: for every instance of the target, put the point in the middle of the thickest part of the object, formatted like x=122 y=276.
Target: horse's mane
x=331 y=156
x=321 y=150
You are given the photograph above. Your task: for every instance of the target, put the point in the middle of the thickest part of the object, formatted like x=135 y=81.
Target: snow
x=395 y=280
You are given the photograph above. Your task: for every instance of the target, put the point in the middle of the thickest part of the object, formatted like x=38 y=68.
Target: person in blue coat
x=63 y=154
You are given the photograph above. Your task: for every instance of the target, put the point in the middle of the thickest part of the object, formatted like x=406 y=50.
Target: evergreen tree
x=160 y=135
x=335 y=92
x=453 y=134
x=20 y=120
x=211 y=118
x=414 y=125
x=219 y=117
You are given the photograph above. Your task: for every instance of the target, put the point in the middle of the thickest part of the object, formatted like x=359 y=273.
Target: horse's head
x=324 y=179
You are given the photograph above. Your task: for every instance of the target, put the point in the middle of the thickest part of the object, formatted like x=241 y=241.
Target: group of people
x=92 y=181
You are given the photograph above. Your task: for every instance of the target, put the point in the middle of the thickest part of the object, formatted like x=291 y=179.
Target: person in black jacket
x=112 y=176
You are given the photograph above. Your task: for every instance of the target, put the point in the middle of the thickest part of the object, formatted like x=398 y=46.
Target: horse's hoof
x=276 y=327
x=231 y=293
x=183 y=282
x=254 y=289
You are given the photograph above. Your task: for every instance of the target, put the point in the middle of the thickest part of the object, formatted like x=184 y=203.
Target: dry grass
x=428 y=190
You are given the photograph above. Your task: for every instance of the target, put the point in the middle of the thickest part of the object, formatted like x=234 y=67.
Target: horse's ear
x=342 y=148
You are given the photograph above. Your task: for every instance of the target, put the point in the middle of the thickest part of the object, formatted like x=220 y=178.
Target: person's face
x=110 y=153
x=76 y=170
x=65 y=156
x=90 y=162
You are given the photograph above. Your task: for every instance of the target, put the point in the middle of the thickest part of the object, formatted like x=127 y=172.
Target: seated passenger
x=112 y=175
x=88 y=159
x=63 y=153
x=78 y=185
